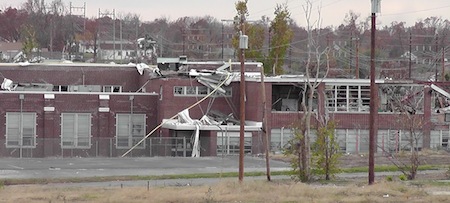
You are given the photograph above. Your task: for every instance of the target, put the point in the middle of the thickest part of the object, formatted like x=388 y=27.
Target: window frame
x=355 y=97
x=129 y=131
x=199 y=91
x=76 y=131
x=21 y=126
x=112 y=88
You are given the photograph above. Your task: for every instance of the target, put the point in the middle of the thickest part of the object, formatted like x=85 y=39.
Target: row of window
x=354 y=98
x=198 y=91
x=67 y=88
x=347 y=98
x=87 y=88
x=357 y=140
x=75 y=130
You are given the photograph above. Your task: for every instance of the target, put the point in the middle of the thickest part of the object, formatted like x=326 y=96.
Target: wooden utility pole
x=373 y=96
x=357 y=58
x=265 y=128
x=443 y=65
x=436 y=59
x=242 y=102
x=410 y=55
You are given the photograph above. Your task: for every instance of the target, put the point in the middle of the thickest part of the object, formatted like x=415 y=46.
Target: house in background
x=10 y=50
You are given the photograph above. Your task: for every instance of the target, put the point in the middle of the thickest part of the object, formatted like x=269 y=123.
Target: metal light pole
x=373 y=95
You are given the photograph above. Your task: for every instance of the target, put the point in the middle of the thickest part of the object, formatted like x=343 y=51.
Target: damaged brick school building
x=87 y=110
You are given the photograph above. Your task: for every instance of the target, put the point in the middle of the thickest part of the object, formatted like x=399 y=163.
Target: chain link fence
x=100 y=147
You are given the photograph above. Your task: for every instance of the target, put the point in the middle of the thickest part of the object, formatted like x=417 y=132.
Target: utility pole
x=357 y=58
x=114 y=35
x=290 y=56
x=443 y=65
x=373 y=95
x=72 y=9
x=243 y=44
x=222 y=40
x=184 y=36
x=436 y=60
x=356 y=55
x=121 y=41
x=265 y=128
x=113 y=16
x=223 y=34
x=137 y=37
x=410 y=53
x=79 y=8
x=51 y=13
x=350 y=69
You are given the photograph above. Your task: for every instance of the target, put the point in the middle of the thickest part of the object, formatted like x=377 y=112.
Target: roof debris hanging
x=7 y=84
x=212 y=78
x=142 y=66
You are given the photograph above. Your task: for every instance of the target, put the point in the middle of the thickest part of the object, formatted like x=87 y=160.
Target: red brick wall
x=48 y=127
x=127 y=77
x=171 y=105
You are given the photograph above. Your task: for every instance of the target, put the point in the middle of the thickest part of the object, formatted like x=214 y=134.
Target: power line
x=417 y=11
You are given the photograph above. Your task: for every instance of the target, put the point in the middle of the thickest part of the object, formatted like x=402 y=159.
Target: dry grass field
x=427 y=188
x=233 y=191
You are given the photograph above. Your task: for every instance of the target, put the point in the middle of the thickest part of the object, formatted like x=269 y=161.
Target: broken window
x=199 y=91
x=353 y=98
x=288 y=97
x=112 y=88
x=190 y=90
x=401 y=98
x=177 y=90
x=202 y=90
x=441 y=100
x=33 y=87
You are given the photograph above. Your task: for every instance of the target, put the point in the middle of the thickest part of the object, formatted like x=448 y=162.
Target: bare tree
x=408 y=102
x=317 y=66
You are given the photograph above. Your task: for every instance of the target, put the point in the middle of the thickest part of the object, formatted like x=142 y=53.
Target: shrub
x=403 y=177
x=389 y=178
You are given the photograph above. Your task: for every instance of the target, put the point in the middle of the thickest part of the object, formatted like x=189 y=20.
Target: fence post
x=150 y=146
x=184 y=146
x=110 y=147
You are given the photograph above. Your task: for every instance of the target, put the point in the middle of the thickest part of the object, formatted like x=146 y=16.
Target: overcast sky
x=332 y=11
